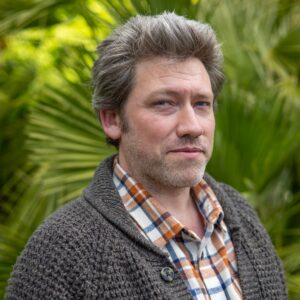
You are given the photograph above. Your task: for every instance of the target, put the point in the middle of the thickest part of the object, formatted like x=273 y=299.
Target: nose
x=188 y=122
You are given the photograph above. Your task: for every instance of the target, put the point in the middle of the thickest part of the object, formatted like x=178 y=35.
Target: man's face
x=170 y=123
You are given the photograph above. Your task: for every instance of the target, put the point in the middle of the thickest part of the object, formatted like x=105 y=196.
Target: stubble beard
x=151 y=169
x=178 y=174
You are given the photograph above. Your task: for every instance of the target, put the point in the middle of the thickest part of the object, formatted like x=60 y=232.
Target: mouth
x=187 y=150
x=188 y=153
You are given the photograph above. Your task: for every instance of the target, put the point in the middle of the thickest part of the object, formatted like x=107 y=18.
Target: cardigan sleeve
x=48 y=267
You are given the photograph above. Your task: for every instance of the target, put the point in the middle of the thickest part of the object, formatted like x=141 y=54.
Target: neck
x=176 y=200
x=180 y=204
x=172 y=198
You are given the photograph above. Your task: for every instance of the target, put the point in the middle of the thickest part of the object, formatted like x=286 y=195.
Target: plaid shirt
x=207 y=265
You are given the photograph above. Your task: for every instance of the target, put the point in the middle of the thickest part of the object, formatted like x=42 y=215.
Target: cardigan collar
x=103 y=196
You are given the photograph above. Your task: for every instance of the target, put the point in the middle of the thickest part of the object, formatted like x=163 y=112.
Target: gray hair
x=165 y=35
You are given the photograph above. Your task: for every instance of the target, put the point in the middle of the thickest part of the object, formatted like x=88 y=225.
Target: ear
x=110 y=121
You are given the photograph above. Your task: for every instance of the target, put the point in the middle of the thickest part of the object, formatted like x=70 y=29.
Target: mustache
x=190 y=142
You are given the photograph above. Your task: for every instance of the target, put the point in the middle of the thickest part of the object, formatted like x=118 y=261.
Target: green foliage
x=16 y=77
x=122 y=10
x=65 y=135
x=50 y=154
x=24 y=14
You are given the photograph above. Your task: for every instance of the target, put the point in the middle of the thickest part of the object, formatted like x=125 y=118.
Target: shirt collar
x=153 y=220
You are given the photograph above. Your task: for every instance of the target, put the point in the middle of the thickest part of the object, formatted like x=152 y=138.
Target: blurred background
x=51 y=141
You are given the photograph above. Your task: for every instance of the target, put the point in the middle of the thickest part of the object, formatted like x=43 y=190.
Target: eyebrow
x=177 y=93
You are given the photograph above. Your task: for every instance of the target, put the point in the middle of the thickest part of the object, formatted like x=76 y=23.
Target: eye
x=163 y=103
x=164 y=106
x=203 y=104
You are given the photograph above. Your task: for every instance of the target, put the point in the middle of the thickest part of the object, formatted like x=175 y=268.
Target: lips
x=188 y=150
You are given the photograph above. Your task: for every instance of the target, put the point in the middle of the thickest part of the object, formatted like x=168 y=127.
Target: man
x=152 y=225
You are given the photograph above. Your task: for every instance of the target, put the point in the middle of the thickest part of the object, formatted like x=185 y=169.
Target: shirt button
x=167 y=274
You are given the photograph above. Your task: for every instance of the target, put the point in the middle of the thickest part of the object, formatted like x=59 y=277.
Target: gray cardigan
x=90 y=249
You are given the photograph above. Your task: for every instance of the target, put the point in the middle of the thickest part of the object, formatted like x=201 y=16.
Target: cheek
x=211 y=126
x=212 y=130
x=154 y=128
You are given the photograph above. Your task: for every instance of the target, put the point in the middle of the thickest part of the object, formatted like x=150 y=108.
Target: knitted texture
x=90 y=249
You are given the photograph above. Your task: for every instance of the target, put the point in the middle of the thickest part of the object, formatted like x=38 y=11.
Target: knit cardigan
x=91 y=249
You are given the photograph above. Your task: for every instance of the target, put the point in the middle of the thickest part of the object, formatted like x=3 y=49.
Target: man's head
x=155 y=88
x=143 y=37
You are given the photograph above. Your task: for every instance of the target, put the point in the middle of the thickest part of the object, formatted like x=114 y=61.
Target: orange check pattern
x=207 y=265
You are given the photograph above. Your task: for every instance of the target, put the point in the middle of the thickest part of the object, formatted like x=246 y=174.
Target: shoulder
x=56 y=257
x=255 y=253
x=240 y=217
x=73 y=221
x=70 y=229
x=232 y=201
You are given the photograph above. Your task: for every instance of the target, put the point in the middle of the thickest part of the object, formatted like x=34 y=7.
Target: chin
x=188 y=180
x=185 y=183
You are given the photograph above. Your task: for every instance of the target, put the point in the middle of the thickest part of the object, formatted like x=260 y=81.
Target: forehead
x=161 y=73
